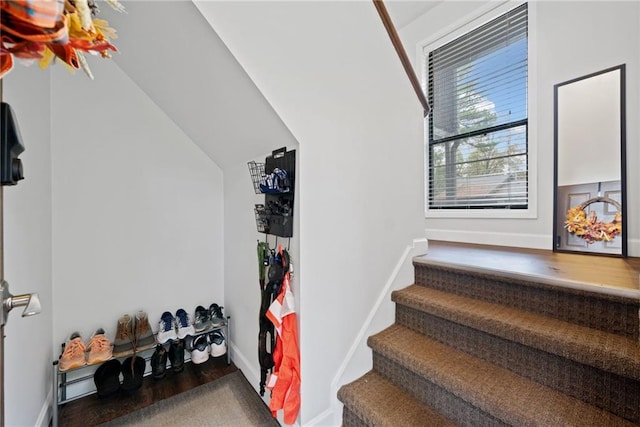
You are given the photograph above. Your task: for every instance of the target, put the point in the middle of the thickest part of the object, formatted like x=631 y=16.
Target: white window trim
x=479 y=17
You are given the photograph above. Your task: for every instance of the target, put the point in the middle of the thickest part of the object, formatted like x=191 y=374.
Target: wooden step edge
x=575 y=287
x=499 y=392
x=606 y=351
x=378 y=402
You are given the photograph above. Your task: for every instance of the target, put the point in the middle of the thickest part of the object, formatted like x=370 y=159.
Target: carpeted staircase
x=472 y=347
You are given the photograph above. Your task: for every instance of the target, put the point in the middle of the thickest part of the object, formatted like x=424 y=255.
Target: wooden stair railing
x=402 y=54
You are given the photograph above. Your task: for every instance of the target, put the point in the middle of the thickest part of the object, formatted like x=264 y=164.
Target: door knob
x=31 y=302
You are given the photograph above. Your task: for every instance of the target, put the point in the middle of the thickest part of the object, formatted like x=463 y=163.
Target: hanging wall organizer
x=275 y=178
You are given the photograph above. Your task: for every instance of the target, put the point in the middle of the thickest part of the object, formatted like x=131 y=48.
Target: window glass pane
x=488 y=170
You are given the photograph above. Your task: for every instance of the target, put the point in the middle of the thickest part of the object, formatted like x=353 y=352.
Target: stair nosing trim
x=538 y=281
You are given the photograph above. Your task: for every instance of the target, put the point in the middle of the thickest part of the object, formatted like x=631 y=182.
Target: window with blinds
x=477 y=88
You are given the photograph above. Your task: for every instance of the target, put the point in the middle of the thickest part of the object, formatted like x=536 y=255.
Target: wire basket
x=256 y=170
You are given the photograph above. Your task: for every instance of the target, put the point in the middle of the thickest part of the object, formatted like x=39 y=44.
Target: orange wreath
x=48 y=29
x=589 y=227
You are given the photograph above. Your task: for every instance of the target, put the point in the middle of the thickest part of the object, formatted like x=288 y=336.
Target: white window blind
x=477 y=87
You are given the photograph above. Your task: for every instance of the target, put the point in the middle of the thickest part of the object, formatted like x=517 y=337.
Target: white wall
x=331 y=73
x=570 y=39
x=137 y=207
x=27 y=252
x=242 y=291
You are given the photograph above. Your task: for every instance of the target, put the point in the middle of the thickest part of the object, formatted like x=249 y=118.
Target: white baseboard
x=521 y=240
x=46 y=413
x=247 y=368
x=324 y=419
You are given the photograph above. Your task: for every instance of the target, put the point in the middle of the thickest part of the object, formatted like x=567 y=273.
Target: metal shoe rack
x=275 y=216
x=64 y=379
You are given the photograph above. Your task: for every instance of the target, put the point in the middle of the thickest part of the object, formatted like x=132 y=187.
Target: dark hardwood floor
x=90 y=410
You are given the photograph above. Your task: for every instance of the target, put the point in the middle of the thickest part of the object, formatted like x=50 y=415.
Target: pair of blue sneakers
x=172 y=328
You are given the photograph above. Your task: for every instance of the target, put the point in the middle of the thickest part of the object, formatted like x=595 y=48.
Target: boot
x=123 y=344
x=176 y=355
x=107 y=378
x=159 y=362
x=132 y=372
x=144 y=337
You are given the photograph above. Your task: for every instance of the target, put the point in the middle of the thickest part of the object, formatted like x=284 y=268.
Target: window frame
x=479 y=17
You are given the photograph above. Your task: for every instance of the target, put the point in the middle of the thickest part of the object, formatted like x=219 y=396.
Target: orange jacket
x=284 y=381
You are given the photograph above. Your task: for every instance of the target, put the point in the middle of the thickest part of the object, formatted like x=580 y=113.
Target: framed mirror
x=590 y=164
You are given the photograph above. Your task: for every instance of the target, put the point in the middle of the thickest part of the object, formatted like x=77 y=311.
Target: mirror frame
x=557 y=227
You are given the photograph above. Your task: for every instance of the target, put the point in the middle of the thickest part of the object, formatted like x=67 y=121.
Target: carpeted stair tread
x=504 y=395
x=602 y=350
x=376 y=401
x=609 y=311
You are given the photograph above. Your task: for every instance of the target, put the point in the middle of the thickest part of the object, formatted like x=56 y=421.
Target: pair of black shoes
x=175 y=354
x=107 y=376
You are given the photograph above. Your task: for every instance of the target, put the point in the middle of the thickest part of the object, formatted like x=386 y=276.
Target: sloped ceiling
x=174 y=55
x=170 y=51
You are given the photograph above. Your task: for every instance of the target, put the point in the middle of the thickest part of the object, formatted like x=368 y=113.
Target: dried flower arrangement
x=589 y=227
x=43 y=30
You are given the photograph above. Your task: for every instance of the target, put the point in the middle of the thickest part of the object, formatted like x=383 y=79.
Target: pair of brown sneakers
x=133 y=334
